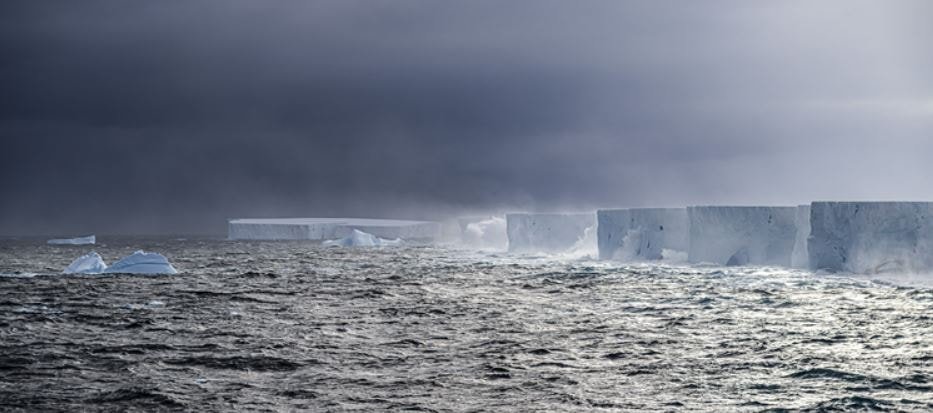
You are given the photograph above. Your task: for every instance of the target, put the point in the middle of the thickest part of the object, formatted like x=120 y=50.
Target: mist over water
x=251 y=326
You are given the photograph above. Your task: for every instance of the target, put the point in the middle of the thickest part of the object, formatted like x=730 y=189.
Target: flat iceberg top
x=340 y=221
x=90 y=263
x=88 y=240
x=141 y=262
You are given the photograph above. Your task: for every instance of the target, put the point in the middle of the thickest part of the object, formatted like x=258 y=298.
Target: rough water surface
x=266 y=326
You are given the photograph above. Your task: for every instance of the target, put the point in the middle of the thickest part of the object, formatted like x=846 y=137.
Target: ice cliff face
x=330 y=228
x=547 y=232
x=799 y=258
x=361 y=239
x=742 y=235
x=871 y=237
x=641 y=233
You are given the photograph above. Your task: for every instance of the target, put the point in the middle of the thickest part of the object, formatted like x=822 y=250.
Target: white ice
x=742 y=235
x=330 y=228
x=90 y=263
x=548 y=233
x=88 y=240
x=484 y=233
x=141 y=262
x=799 y=257
x=359 y=238
x=642 y=233
x=871 y=237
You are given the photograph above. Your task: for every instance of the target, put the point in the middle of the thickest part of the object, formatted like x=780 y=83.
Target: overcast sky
x=170 y=117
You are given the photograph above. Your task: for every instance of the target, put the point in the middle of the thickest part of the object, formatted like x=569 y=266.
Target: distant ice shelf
x=88 y=240
x=641 y=234
x=547 y=232
x=320 y=229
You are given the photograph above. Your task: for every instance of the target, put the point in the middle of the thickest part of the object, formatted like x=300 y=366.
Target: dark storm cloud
x=170 y=117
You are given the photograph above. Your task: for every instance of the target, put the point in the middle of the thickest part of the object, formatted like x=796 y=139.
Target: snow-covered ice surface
x=641 y=233
x=359 y=238
x=88 y=240
x=295 y=326
x=872 y=237
x=141 y=262
x=728 y=235
x=533 y=233
x=330 y=228
x=90 y=263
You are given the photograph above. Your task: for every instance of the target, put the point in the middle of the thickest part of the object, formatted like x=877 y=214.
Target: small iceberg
x=141 y=262
x=88 y=240
x=87 y=264
x=361 y=239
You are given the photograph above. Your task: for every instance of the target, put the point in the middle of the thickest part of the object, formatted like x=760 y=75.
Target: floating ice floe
x=359 y=238
x=88 y=240
x=90 y=263
x=141 y=262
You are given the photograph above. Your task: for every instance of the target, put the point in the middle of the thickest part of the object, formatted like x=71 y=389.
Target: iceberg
x=871 y=237
x=361 y=239
x=799 y=257
x=319 y=229
x=641 y=233
x=547 y=232
x=90 y=263
x=88 y=240
x=141 y=262
x=741 y=235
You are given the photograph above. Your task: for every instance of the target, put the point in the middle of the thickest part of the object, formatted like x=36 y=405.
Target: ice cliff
x=359 y=238
x=329 y=228
x=742 y=235
x=547 y=232
x=871 y=237
x=641 y=233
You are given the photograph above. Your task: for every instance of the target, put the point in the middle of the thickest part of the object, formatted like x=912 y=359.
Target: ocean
x=291 y=326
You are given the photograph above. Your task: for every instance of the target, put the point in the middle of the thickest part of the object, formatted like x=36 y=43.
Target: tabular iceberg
x=90 y=263
x=329 y=228
x=742 y=235
x=547 y=232
x=641 y=233
x=361 y=239
x=800 y=258
x=141 y=262
x=88 y=240
x=871 y=237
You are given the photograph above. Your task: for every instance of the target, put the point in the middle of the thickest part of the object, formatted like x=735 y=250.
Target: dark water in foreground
x=292 y=326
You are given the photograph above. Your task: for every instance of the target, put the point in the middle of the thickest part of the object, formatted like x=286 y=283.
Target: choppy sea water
x=280 y=326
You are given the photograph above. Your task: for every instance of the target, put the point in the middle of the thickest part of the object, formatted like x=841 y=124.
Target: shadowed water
x=256 y=326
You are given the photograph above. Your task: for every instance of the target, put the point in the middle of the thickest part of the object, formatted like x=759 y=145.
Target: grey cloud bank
x=169 y=118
